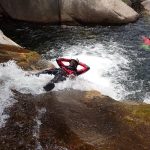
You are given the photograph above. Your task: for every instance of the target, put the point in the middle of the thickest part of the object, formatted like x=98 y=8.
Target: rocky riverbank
x=27 y=59
x=72 y=12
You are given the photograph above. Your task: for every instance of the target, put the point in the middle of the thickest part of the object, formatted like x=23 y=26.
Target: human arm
x=84 y=69
x=61 y=60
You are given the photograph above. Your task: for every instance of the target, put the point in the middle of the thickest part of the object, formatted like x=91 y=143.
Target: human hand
x=72 y=76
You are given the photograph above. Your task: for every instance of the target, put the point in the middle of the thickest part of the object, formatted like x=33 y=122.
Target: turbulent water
x=119 y=66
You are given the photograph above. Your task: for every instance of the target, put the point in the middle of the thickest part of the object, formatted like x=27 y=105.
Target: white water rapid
x=105 y=75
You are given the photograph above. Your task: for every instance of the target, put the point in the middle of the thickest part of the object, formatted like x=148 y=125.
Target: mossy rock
x=139 y=114
x=28 y=60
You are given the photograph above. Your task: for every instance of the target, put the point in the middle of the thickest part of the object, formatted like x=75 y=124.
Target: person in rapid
x=60 y=74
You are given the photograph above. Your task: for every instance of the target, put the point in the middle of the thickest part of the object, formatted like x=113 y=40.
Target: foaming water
x=147 y=98
x=13 y=77
x=108 y=70
x=105 y=72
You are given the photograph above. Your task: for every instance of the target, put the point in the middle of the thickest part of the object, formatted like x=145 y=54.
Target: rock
x=35 y=11
x=70 y=11
x=146 y=5
x=97 y=11
x=28 y=60
x=75 y=120
x=6 y=40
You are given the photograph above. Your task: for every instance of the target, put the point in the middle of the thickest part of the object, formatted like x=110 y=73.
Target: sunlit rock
x=97 y=11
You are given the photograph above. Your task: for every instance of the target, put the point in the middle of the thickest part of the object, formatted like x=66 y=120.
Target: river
x=120 y=67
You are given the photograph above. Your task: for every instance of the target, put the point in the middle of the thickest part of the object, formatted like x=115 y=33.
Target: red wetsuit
x=60 y=74
x=69 y=70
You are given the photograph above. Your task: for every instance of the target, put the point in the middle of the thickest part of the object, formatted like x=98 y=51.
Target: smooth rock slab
x=32 y=10
x=97 y=12
x=70 y=11
x=75 y=120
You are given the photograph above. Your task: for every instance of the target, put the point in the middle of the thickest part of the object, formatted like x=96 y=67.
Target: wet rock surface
x=75 y=120
x=26 y=59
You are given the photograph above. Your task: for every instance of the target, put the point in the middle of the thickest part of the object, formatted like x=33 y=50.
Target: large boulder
x=70 y=11
x=27 y=59
x=97 y=11
x=23 y=57
x=32 y=10
x=75 y=120
x=146 y=5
